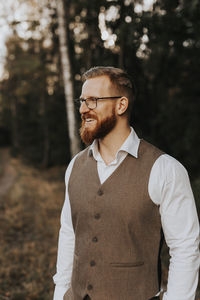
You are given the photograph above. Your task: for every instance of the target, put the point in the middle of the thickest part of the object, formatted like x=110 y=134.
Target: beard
x=101 y=129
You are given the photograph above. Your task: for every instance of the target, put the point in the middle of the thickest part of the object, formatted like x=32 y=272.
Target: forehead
x=97 y=86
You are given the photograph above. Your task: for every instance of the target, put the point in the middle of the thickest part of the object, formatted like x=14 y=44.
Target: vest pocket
x=127 y=265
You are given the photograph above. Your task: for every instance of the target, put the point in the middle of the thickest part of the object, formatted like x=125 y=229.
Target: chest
x=122 y=197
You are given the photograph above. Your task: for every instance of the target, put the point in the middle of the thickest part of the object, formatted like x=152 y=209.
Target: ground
x=30 y=204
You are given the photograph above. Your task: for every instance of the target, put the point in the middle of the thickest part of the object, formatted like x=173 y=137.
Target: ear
x=122 y=105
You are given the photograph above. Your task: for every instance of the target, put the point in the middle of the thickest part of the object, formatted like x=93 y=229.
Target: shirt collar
x=130 y=146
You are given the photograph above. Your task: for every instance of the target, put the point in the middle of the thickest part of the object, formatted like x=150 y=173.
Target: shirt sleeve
x=66 y=240
x=169 y=187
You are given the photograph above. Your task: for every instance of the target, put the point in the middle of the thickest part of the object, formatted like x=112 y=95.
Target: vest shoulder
x=82 y=154
x=147 y=148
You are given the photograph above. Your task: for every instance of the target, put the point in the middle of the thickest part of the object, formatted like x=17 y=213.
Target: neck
x=111 y=143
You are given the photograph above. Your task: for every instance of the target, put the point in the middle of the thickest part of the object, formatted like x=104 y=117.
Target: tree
x=67 y=79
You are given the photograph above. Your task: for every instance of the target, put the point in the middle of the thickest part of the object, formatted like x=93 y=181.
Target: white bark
x=67 y=80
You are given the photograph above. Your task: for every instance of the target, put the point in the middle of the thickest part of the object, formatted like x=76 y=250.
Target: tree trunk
x=14 y=127
x=45 y=128
x=67 y=80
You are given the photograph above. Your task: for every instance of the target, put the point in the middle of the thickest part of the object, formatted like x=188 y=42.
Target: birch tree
x=67 y=79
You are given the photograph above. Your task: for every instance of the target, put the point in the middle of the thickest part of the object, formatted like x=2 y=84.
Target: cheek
x=109 y=110
x=105 y=110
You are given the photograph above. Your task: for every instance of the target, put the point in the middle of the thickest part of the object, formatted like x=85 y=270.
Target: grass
x=29 y=224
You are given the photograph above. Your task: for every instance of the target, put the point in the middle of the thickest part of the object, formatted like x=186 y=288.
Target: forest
x=49 y=46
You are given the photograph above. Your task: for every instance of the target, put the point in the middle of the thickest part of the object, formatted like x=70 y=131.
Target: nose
x=83 y=108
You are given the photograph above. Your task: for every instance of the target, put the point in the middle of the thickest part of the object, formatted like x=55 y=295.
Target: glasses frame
x=81 y=100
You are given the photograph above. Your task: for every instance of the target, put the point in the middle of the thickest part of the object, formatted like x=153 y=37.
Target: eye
x=80 y=100
x=91 y=99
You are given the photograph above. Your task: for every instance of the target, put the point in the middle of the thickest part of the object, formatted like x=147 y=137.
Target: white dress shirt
x=169 y=188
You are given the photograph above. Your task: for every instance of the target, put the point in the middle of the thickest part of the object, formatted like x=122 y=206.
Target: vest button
x=95 y=239
x=100 y=192
x=92 y=263
x=89 y=287
x=97 y=216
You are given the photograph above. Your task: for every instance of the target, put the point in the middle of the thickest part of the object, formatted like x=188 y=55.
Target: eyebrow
x=82 y=97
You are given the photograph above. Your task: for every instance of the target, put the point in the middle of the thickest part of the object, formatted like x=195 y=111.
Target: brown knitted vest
x=117 y=229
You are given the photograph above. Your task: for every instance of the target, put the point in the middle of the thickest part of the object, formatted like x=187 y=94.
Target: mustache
x=88 y=116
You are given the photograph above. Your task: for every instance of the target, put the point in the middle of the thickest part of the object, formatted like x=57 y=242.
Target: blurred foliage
x=36 y=119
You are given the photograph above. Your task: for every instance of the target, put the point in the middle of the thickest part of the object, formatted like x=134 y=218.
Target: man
x=119 y=192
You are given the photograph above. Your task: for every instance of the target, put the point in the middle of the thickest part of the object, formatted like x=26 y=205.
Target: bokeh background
x=45 y=46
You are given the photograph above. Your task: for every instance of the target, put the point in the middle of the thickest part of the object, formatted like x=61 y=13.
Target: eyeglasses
x=91 y=102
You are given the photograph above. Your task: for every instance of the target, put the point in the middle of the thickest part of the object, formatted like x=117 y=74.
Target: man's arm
x=169 y=187
x=65 y=245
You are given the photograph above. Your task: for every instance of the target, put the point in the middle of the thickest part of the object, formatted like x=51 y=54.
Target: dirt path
x=8 y=174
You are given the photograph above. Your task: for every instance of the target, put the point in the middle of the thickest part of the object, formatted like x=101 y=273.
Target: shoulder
x=168 y=168
x=79 y=155
x=168 y=177
x=149 y=150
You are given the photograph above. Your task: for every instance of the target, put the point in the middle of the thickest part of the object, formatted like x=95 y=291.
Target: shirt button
x=89 y=287
x=100 y=192
x=95 y=239
x=97 y=216
x=92 y=263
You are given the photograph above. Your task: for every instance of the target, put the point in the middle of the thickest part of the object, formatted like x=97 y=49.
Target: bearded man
x=121 y=194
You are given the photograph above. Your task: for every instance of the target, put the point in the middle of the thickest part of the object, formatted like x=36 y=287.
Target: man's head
x=116 y=92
